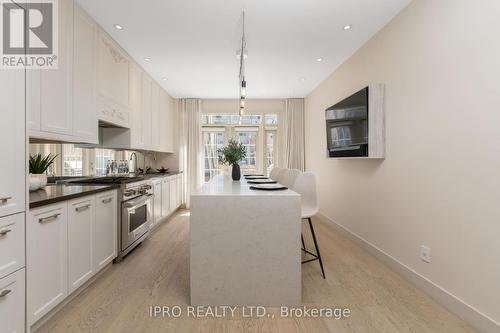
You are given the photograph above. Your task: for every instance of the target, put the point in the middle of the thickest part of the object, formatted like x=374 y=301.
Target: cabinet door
x=155 y=117
x=105 y=231
x=147 y=137
x=11 y=243
x=47 y=259
x=12 y=142
x=165 y=195
x=84 y=78
x=163 y=121
x=135 y=107
x=173 y=194
x=157 y=184
x=81 y=215
x=56 y=84
x=179 y=191
x=12 y=297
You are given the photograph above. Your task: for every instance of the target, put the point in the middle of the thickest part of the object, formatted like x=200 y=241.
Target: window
x=257 y=132
x=72 y=159
x=248 y=138
x=213 y=139
x=271 y=119
x=270 y=150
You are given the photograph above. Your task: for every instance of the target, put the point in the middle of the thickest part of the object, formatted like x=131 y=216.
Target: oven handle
x=132 y=204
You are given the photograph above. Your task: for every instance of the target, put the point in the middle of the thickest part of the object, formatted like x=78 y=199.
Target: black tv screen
x=347 y=126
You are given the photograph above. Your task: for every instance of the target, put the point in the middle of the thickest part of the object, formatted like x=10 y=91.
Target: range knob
x=129 y=193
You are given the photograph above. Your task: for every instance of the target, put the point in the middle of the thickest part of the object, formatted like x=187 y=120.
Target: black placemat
x=260 y=188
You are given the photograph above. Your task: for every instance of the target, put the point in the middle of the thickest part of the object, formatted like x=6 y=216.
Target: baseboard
x=471 y=315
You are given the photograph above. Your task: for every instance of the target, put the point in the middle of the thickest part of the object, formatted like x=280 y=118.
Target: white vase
x=37 y=181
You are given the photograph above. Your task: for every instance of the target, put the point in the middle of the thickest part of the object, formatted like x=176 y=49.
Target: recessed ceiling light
x=319 y=59
x=164 y=79
x=302 y=79
x=118 y=27
x=147 y=59
x=347 y=27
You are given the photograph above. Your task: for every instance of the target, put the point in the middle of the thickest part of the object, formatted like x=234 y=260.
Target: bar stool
x=274 y=172
x=289 y=177
x=280 y=175
x=306 y=186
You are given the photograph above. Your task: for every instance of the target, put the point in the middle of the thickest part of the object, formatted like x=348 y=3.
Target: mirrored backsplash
x=73 y=160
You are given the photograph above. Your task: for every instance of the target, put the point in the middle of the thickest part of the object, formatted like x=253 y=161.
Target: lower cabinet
x=47 y=259
x=67 y=243
x=12 y=302
x=157 y=201
x=105 y=231
x=173 y=193
x=165 y=195
x=81 y=221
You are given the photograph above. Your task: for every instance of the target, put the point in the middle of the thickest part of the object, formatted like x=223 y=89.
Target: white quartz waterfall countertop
x=244 y=245
x=224 y=185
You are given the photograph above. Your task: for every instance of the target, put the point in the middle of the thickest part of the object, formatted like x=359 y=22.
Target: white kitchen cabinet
x=105 y=230
x=147 y=138
x=12 y=142
x=11 y=243
x=157 y=187
x=179 y=191
x=155 y=116
x=12 y=295
x=56 y=85
x=135 y=95
x=85 y=124
x=47 y=259
x=165 y=197
x=113 y=82
x=173 y=193
x=81 y=220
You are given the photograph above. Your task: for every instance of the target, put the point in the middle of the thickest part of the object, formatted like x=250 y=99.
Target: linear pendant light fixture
x=242 y=83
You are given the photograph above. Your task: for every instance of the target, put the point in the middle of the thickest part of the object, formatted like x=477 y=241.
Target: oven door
x=136 y=218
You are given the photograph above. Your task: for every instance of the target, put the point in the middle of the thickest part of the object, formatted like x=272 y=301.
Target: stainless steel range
x=135 y=211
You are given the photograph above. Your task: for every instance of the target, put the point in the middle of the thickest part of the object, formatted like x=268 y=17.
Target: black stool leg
x=316 y=246
x=303 y=244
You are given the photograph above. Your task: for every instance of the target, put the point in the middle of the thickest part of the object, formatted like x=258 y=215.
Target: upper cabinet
x=51 y=90
x=84 y=77
x=61 y=102
x=97 y=81
x=113 y=82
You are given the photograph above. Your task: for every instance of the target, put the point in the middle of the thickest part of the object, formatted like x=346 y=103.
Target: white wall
x=440 y=182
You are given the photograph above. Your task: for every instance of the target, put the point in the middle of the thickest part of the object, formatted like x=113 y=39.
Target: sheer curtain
x=294 y=157
x=190 y=146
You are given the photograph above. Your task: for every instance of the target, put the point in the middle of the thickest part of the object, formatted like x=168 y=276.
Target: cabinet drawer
x=12 y=302
x=11 y=244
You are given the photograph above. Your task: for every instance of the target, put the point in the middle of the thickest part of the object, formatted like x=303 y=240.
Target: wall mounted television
x=355 y=125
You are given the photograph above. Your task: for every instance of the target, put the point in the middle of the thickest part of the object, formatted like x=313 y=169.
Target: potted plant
x=38 y=166
x=232 y=154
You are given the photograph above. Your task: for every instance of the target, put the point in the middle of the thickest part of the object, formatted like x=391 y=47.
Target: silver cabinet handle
x=105 y=201
x=48 y=218
x=5 y=292
x=4 y=232
x=5 y=199
x=79 y=209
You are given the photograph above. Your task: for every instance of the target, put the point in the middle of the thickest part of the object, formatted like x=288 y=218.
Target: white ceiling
x=193 y=43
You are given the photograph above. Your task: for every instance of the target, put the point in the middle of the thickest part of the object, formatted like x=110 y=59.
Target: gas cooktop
x=108 y=180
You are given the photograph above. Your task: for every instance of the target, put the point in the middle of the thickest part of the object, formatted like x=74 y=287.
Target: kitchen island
x=245 y=245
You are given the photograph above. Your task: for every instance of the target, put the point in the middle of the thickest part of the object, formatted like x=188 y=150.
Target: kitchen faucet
x=135 y=164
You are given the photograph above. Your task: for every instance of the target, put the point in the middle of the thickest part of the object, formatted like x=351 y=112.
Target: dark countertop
x=53 y=193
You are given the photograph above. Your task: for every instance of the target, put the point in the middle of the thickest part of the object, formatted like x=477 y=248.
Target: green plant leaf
x=39 y=164
x=232 y=154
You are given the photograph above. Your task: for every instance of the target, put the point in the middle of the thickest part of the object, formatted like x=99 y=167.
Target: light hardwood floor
x=157 y=273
